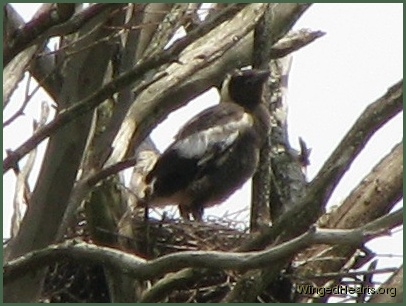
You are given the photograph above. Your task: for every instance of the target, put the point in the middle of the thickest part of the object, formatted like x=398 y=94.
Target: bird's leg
x=184 y=212
x=197 y=213
x=192 y=210
x=146 y=211
x=147 y=250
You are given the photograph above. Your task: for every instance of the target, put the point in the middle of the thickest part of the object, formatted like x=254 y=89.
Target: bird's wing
x=197 y=146
x=213 y=116
x=211 y=132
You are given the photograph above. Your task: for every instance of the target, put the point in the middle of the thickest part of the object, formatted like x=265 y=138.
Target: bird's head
x=244 y=87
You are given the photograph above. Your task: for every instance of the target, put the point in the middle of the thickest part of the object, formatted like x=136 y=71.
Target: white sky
x=331 y=83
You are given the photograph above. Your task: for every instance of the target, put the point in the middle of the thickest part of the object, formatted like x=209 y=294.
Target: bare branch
x=294 y=41
x=20 y=111
x=141 y=269
x=260 y=194
x=394 y=288
x=170 y=282
x=14 y=72
x=307 y=211
x=211 y=56
x=83 y=75
x=151 y=18
x=320 y=189
x=21 y=193
x=342 y=274
x=380 y=189
x=152 y=105
x=56 y=21
x=190 y=58
x=166 y=29
x=87 y=104
x=29 y=34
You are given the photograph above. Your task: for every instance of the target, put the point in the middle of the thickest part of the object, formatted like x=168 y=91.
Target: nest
x=69 y=281
x=159 y=237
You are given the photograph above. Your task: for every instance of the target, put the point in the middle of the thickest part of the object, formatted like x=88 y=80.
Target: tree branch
x=321 y=188
x=393 y=287
x=278 y=49
x=27 y=99
x=380 y=189
x=21 y=193
x=33 y=31
x=307 y=210
x=56 y=21
x=141 y=269
x=260 y=189
x=87 y=104
x=166 y=95
x=41 y=68
x=293 y=41
x=14 y=72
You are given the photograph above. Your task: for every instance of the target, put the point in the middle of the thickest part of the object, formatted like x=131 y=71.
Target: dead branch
x=293 y=41
x=119 y=166
x=320 y=189
x=151 y=106
x=41 y=68
x=394 y=284
x=13 y=73
x=56 y=21
x=141 y=269
x=28 y=35
x=87 y=104
x=21 y=193
x=20 y=111
x=295 y=221
x=259 y=216
x=380 y=189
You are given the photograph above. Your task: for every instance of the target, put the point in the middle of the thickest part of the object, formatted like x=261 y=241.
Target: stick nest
x=69 y=281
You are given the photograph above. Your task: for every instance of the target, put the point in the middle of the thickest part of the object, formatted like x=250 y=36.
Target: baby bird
x=214 y=153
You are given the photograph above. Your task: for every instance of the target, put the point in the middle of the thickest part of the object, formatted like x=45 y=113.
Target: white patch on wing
x=214 y=139
x=224 y=92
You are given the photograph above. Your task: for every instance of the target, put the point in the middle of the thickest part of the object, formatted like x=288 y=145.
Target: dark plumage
x=216 y=151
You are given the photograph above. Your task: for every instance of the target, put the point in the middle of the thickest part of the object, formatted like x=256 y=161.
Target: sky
x=331 y=82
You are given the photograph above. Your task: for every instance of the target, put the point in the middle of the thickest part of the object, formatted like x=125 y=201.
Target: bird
x=216 y=151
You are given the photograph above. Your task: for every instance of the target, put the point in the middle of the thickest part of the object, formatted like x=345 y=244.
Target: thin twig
x=320 y=189
x=27 y=99
x=22 y=192
x=342 y=274
x=142 y=269
x=51 y=23
x=89 y=103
